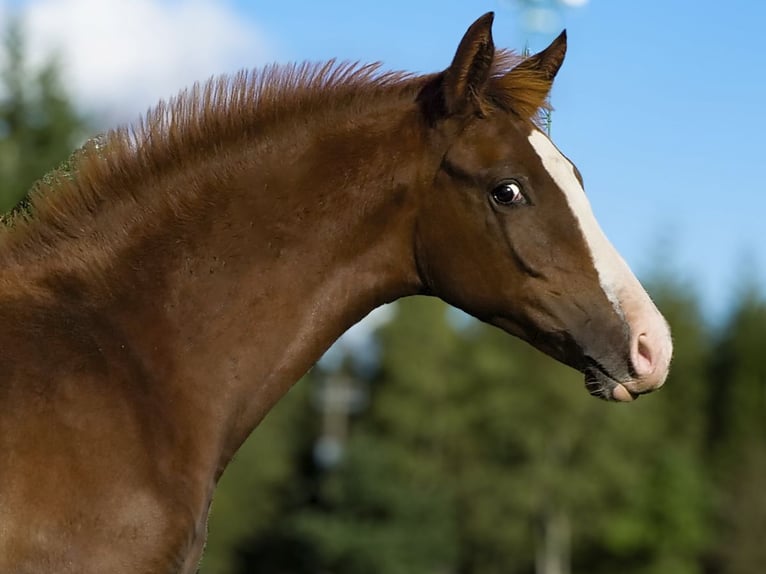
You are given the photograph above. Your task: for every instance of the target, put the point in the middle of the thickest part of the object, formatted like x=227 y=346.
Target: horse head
x=507 y=234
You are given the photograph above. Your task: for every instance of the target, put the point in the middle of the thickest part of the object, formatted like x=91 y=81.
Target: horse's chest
x=142 y=540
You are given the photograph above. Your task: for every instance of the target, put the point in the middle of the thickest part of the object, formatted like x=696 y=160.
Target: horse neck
x=289 y=246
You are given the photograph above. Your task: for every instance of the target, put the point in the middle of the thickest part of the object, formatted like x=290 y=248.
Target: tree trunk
x=553 y=543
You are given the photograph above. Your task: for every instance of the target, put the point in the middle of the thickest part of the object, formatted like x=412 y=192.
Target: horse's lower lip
x=600 y=384
x=622 y=394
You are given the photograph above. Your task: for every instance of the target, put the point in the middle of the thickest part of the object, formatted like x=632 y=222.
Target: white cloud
x=120 y=57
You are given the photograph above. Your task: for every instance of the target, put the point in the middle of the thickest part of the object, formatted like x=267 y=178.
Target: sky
x=661 y=104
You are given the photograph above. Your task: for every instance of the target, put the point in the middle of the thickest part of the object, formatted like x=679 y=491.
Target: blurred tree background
x=477 y=454
x=463 y=451
x=39 y=125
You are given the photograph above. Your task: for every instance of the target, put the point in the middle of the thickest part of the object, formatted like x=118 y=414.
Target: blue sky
x=660 y=103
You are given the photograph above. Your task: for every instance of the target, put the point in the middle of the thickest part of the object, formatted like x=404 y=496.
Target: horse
x=163 y=293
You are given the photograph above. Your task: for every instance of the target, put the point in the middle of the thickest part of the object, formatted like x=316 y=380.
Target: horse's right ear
x=464 y=81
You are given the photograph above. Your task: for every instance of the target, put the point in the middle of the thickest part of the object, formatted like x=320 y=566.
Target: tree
x=269 y=476
x=480 y=455
x=738 y=437
x=39 y=125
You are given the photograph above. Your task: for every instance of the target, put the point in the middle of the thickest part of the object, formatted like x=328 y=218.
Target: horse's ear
x=526 y=87
x=464 y=81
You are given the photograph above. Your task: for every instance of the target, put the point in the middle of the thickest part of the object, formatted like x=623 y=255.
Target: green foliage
x=738 y=437
x=261 y=482
x=511 y=438
x=38 y=123
x=370 y=521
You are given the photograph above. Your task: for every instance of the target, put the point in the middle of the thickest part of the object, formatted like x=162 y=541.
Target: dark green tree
x=39 y=125
x=481 y=455
x=738 y=437
x=269 y=477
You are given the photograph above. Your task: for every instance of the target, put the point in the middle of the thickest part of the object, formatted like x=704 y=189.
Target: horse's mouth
x=604 y=386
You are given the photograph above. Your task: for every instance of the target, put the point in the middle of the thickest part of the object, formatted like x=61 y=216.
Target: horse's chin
x=603 y=386
x=600 y=381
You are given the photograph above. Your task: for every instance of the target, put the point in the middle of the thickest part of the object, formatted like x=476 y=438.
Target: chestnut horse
x=164 y=293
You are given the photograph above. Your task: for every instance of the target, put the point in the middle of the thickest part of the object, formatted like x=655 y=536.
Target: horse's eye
x=509 y=193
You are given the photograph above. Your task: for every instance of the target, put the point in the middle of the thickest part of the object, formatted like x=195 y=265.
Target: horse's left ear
x=526 y=87
x=464 y=81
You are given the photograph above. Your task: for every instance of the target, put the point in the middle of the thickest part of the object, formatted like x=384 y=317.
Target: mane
x=221 y=111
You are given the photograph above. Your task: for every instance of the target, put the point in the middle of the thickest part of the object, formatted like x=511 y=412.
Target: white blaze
x=651 y=345
x=615 y=277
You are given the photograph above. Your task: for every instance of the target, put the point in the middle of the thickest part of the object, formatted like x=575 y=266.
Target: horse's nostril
x=642 y=356
x=650 y=354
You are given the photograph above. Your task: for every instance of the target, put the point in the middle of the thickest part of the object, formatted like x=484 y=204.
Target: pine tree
x=269 y=476
x=481 y=455
x=738 y=437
